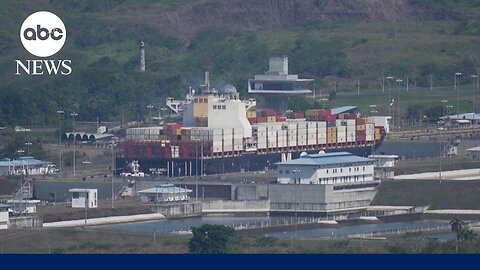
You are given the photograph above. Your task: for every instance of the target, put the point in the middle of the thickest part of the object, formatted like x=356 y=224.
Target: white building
x=326 y=168
x=4 y=216
x=80 y=197
x=473 y=153
x=164 y=193
x=324 y=184
x=384 y=166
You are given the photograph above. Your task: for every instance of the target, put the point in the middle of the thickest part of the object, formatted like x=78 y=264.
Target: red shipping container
x=331 y=118
x=297 y=115
x=360 y=121
x=261 y=119
x=173 y=126
x=252 y=120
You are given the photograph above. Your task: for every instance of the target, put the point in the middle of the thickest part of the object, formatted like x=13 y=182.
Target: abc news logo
x=43 y=34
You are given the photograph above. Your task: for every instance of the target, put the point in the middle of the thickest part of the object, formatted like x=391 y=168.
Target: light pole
x=150 y=107
x=196 y=171
x=294 y=172
x=74 y=115
x=60 y=120
x=398 y=103
x=389 y=95
x=86 y=203
x=458 y=91
x=28 y=147
x=475 y=79
x=113 y=174
x=442 y=142
x=162 y=110
x=373 y=111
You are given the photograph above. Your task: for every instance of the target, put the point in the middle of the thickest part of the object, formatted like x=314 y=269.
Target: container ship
x=221 y=133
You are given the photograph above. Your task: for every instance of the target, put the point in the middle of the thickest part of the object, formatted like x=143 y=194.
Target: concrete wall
x=297 y=197
x=28 y=221
x=186 y=209
x=250 y=192
x=317 y=198
x=348 y=198
x=236 y=206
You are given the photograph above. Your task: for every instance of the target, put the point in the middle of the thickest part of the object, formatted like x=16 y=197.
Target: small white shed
x=80 y=197
x=4 y=216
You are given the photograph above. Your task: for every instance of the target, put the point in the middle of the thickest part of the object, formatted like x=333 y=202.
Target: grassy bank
x=58 y=241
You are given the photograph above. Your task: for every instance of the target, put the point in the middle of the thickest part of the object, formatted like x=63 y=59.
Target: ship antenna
x=207 y=76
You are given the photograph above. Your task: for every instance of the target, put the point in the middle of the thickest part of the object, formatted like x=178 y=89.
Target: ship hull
x=246 y=162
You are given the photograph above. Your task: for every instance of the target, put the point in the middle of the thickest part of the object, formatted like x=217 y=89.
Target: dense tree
x=211 y=239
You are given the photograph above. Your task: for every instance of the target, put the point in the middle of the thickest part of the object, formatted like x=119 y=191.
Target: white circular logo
x=43 y=34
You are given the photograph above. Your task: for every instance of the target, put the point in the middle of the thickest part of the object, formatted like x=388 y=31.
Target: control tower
x=276 y=85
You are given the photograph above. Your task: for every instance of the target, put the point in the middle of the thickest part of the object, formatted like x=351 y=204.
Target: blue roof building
x=326 y=168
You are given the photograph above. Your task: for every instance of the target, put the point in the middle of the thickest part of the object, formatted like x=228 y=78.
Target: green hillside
x=103 y=38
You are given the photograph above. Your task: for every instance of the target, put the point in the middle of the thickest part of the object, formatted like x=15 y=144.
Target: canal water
x=182 y=225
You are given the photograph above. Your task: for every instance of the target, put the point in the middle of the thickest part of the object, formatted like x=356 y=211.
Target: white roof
x=82 y=189
x=168 y=188
x=24 y=201
x=474 y=149
x=387 y=208
x=383 y=156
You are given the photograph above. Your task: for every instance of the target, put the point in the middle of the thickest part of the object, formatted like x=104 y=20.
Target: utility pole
x=60 y=113
x=113 y=175
x=74 y=114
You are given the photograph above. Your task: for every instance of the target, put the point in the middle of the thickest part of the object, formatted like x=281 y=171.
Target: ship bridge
x=276 y=84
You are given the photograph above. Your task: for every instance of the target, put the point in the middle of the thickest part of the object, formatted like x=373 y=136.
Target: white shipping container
x=312 y=139
x=302 y=142
x=261 y=145
x=351 y=122
x=321 y=124
x=291 y=126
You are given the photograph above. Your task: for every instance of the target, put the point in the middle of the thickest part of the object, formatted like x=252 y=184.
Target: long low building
x=26 y=166
x=473 y=153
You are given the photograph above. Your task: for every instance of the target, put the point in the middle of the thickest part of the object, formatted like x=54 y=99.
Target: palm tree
x=457 y=226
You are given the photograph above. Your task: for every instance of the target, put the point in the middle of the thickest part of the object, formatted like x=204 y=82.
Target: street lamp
x=442 y=143
x=458 y=91
x=398 y=103
x=294 y=172
x=475 y=79
x=60 y=120
x=28 y=147
x=150 y=107
x=113 y=174
x=373 y=111
x=74 y=115
x=389 y=96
